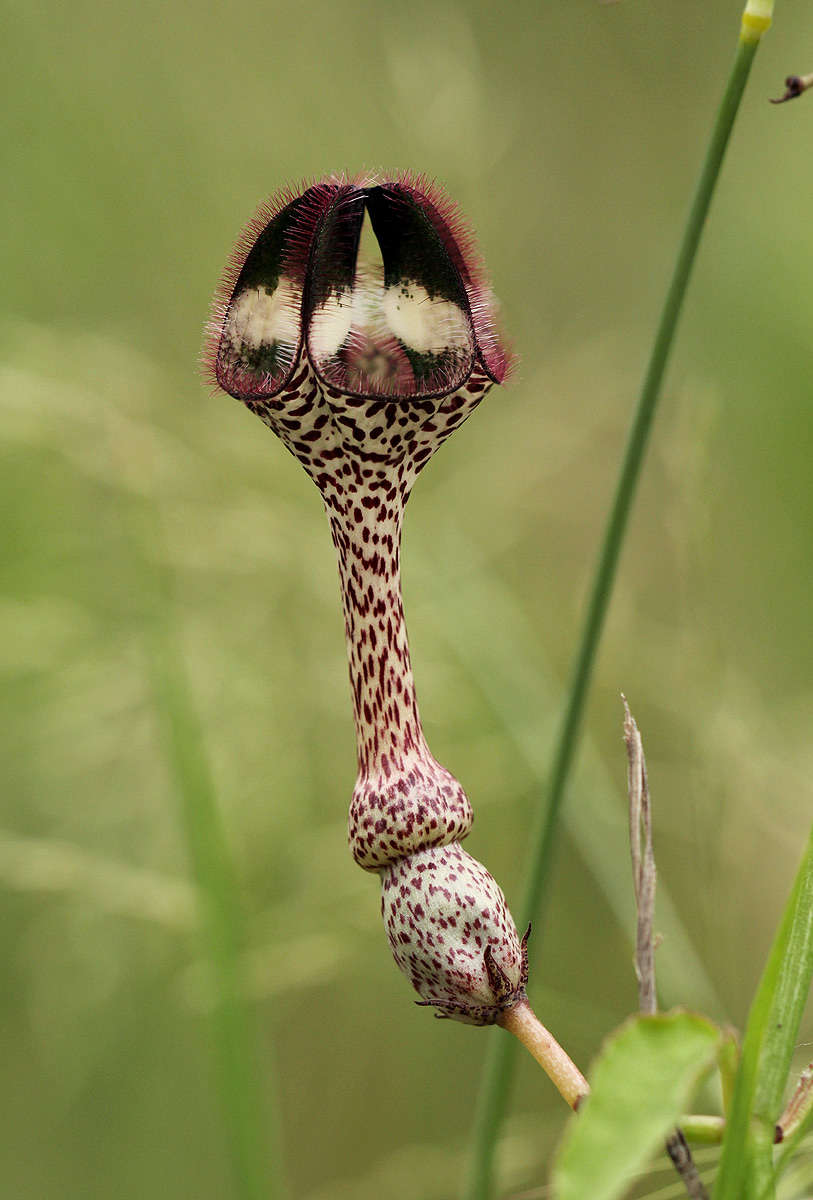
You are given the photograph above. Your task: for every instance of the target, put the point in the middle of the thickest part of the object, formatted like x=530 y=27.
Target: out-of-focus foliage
x=136 y=141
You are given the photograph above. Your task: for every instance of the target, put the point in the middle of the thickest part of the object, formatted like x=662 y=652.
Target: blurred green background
x=137 y=141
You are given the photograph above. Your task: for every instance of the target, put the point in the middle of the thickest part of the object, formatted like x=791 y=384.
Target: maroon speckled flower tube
x=363 y=374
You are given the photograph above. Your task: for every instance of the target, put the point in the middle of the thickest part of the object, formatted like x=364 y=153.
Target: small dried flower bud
x=451 y=933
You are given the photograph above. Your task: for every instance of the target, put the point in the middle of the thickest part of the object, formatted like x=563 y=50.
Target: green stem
x=235 y=1050
x=703 y=1130
x=728 y=1062
x=501 y=1052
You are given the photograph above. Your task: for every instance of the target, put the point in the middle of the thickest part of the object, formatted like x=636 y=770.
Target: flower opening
x=414 y=327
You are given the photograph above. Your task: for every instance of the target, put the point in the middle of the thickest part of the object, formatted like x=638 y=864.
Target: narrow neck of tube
x=366 y=530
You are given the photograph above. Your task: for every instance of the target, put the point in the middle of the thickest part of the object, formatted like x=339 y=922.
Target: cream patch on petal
x=426 y=325
x=330 y=325
x=260 y=318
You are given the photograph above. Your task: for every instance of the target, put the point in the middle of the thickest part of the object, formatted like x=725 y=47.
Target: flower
x=415 y=327
x=363 y=372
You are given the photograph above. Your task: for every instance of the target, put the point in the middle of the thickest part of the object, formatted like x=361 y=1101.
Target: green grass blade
x=251 y=1122
x=496 y=1081
x=770 y=1036
x=236 y=1059
x=243 y=1099
x=789 y=999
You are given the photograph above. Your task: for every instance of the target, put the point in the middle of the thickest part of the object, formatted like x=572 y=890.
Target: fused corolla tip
x=415 y=326
x=451 y=933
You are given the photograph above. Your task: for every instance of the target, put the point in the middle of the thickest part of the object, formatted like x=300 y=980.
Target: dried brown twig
x=644 y=878
x=644 y=874
x=798 y=1108
x=795 y=85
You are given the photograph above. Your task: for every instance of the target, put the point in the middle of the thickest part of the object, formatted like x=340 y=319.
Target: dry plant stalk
x=798 y=1108
x=644 y=874
x=795 y=86
x=644 y=879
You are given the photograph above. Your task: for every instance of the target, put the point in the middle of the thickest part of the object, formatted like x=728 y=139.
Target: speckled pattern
x=403 y=800
x=446 y=918
x=452 y=934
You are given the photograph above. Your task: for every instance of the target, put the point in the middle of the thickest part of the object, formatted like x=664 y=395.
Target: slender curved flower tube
x=363 y=373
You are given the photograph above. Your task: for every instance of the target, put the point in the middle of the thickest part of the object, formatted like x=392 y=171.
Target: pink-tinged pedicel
x=451 y=933
x=363 y=372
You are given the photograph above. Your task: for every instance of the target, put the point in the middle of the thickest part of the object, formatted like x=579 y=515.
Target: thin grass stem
x=248 y=1104
x=242 y=1098
x=501 y=1058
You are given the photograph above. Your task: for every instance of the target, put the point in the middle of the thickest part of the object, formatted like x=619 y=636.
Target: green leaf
x=641 y=1082
x=773 y=1023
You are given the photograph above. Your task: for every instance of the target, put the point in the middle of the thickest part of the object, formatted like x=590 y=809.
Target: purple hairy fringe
x=312 y=204
x=460 y=243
